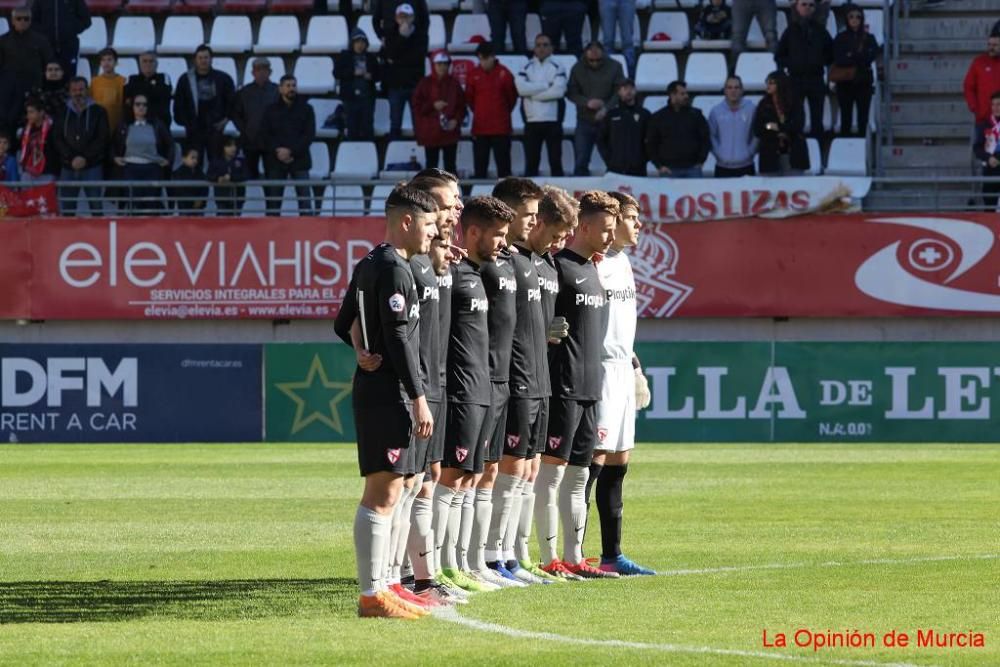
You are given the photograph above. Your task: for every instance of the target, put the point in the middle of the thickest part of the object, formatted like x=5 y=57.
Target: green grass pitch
x=225 y=554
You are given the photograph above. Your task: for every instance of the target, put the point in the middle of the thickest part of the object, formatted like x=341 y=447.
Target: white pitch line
x=831 y=563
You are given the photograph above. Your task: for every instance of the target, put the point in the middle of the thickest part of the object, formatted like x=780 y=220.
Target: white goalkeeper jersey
x=619 y=285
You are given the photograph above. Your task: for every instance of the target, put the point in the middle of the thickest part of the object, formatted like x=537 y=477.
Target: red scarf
x=33 y=148
x=992 y=136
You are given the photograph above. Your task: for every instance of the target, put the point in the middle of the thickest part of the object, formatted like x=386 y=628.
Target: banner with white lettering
x=821 y=392
x=130 y=393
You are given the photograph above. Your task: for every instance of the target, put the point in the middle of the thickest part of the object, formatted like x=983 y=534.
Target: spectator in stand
x=190 y=199
x=38 y=158
x=23 y=51
x=8 y=162
x=981 y=81
x=715 y=21
x=677 y=138
x=62 y=22
x=202 y=101
x=730 y=126
x=290 y=126
x=384 y=16
x=504 y=13
x=438 y=106
x=564 y=18
x=83 y=141
x=357 y=70
x=52 y=91
x=11 y=103
x=143 y=150
x=542 y=85
x=108 y=88
x=622 y=131
x=854 y=51
x=403 y=54
x=778 y=125
x=593 y=84
x=491 y=96
x=804 y=51
x=228 y=172
x=620 y=13
x=251 y=102
x=987 y=149
x=744 y=11
x=155 y=86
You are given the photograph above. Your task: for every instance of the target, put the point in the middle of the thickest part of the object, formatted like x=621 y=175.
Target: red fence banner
x=15 y=270
x=40 y=200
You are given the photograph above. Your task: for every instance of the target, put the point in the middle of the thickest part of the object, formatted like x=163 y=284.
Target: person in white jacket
x=542 y=87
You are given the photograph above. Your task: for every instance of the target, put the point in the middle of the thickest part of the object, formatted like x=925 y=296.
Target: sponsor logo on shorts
x=555 y=441
x=602 y=433
x=513 y=441
x=397 y=303
x=393 y=455
x=461 y=453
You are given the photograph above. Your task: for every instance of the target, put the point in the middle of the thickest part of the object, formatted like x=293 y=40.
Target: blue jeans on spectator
x=622 y=13
x=684 y=172
x=273 y=194
x=504 y=12
x=766 y=12
x=564 y=18
x=584 y=138
x=68 y=193
x=398 y=99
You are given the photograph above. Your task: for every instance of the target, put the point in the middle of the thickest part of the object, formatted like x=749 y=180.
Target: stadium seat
x=654 y=103
x=102 y=7
x=376 y=203
x=655 y=71
x=620 y=59
x=243 y=6
x=181 y=34
x=320 y=154
x=467 y=32
x=348 y=200
x=875 y=25
x=228 y=65
x=442 y=5
x=148 y=7
x=5 y=28
x=755 y=35
x=704 y=103
x=127 y=67
x=517 y=119
x=356 y=159
x=676 y=4
x=753 y=69
x=567 y=61
x=278 y=34
x=374 y=43
x=277 y=69
x=194 y=6
x=172 y=68
x=402 y=152
x=532 y=29
x=383 y=122
x=94 y=38
x=705 y=72
x=323 y=109
x=815 y=157
x=569 y=118
x=315 y=75
x=134 y=34
x=481 y=190
x=326 y=34
x=708 y=169
x=437 y=38
x=231 y=34
x=83 y=68
x=831 y=24
x=291 y=6
x=673 y=25
x=514 y=63
x=848 y=157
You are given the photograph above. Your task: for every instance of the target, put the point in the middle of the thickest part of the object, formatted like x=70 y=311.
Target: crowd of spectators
x=982 y=96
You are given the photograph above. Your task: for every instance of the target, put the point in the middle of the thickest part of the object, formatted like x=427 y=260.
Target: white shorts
x=616 y=409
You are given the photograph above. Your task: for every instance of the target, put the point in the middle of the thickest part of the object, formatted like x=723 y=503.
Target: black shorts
x=497 y=420
x=572 y=431
x=436 y=450
x=466 y=437
x=385 y=439
x=527 y=421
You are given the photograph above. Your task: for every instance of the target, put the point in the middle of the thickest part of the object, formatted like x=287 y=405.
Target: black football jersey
x=529 y=373
x=444 y=321
x=469 y=338
x=430 y=326
x=501 y=290
x=575 y=363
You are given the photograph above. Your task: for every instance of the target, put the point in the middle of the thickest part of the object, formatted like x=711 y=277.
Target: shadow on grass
x=111 y=601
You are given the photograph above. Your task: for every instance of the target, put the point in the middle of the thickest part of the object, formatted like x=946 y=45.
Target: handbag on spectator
x=842 y=73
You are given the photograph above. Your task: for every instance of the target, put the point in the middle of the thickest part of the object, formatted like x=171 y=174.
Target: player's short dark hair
x=484 y=212
x=437 y=173
x=410 y=200
x=428 y=183
x=515 y=191
x=557 y=207
x=624 y=200
x=287 y=77
x=596 y=201
x=674 y=85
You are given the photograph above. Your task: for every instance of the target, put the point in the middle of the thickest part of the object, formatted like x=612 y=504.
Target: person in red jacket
x=983 y=79
x=492 y=95
x=438 y=106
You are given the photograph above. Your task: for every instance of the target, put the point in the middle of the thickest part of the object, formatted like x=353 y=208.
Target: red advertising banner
x=871 y=265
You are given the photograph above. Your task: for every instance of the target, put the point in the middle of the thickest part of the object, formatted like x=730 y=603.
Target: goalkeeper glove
x=642 y=395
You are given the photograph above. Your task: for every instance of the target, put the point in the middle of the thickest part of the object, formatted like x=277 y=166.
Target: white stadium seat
x=231 y=34
x=655 y=71
x=674 y=25
x=323 y=109
x=173 y=68
x=705 y=72
x=94 y=38
x=442 y=5
x=228 y=65
x=514 y=63
x=83 y=68
x=467 y=31
x=278 y=34
x=348 y=200
x=315 y=75
x=376 y=204
x=181 y=34
x=654 y=103
x=875 y=25
x=374 y=43
x=848 y=157
x=437 y=38
x=319 y=152
x=753 y=69
x=532 y=29
x=356 y=159
x=326 y=34
x=704 y=102
x=401 y=152
x=133 y=35
x=277 y=69
x=5 y=26
x=815 y=157
x=127 y=67
x=481 y=190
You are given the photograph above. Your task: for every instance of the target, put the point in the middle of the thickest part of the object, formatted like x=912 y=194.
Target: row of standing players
x=496 y=384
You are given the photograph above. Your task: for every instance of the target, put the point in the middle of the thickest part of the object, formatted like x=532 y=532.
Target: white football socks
x=444 y=556
x=546 y=511
x=421 y=545
x=483 y=512
x=524 y=521
x=398 y=554
x=467 y=517
x=513 y=519
x=503 y=502
x=573 y=512
x=371 y=538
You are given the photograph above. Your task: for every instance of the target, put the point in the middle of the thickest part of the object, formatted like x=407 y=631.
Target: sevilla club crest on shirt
x=393 y=455
x=513 y=441
x=602 y=433
x=461 y=453
x=555 y=441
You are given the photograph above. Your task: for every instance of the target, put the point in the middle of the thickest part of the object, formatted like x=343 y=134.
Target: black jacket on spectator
x=384 y=16
x=25 y=54
x=186 y=106
x=677 y=138
x=858 y=49
x=772 y=145
x=290 y=126
x=804 y=50
x=188 y=198
x=82 y=133
x=621 y=133
x=11 y=104
x=158 y=92
x=403 y=59
x=352 y=87
x=236 y=169
x=248 y=110
x=53 y=95
x=61 y=21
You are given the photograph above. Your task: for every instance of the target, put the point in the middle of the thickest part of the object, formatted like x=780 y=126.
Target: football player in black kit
x=576 y=376
x=484 y=228
x=389 y=403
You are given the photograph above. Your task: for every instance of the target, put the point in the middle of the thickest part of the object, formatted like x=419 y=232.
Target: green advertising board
x=307 y=392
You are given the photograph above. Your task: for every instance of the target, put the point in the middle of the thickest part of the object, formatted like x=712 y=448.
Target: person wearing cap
x=155 y=86
x=438 y=106
x=252 y=100
x=491 y=95
x=384 y=16
x=403 y=53
x=357 y=71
